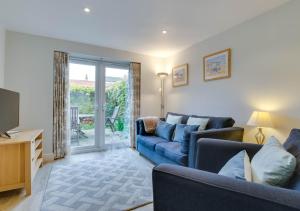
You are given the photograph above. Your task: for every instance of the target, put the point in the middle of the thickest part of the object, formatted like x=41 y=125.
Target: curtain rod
x=121 y=64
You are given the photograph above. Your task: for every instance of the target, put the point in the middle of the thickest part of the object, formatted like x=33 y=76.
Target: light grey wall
x=2 y=55
x=265 y=73
x=29 y=70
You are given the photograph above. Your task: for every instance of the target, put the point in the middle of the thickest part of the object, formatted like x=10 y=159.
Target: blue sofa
x=186 y=189
x=159 y=150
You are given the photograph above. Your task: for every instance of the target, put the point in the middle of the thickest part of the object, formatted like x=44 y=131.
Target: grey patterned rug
x=115 y=182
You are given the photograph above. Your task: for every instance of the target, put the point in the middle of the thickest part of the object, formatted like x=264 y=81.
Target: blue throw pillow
x=183 y=134
x=164 y=130
x=179 y=132
x=238 y=167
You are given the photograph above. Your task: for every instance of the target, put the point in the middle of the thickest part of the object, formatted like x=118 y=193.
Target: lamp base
x=260 y=137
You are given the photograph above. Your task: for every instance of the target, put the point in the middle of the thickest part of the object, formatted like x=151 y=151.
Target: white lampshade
x=260 y=119
x=162 y=75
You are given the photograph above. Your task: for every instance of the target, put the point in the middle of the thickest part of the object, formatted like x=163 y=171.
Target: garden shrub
x=116 y=95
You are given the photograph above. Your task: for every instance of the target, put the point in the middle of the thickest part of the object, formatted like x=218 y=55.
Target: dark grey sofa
x=159 y=150
x=179 y=188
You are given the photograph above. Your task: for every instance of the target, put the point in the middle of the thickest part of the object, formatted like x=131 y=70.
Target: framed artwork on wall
x=180 y=75
x=217 y=65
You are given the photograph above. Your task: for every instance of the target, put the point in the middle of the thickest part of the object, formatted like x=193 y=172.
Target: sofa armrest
x=186 y=189
x=212 y=154
x=231 y=133
x=140 y=128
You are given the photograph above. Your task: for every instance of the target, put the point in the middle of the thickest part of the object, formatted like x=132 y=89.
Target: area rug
x=115 y=182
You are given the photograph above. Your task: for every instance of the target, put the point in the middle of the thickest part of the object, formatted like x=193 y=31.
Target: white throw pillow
x=272 y=164
x=202 y=122
x=173 y=119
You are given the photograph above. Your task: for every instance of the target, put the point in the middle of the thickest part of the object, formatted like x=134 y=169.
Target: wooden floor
x=16 y=200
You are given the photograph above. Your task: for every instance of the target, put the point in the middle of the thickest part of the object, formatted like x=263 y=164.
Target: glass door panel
x=82 y=85
x=116 y=106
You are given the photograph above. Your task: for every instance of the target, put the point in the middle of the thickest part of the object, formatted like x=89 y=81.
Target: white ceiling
x=132 y=25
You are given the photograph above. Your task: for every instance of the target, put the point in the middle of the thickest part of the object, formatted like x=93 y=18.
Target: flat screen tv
x=9 y=110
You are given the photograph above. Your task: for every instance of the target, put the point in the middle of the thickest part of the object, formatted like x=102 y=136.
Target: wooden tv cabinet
x=20 y=158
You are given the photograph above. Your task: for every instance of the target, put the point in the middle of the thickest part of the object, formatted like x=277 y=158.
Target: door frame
x=108 y=65
x=99 y=101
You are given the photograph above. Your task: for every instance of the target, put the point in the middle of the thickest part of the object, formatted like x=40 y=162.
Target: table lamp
x=260 y=119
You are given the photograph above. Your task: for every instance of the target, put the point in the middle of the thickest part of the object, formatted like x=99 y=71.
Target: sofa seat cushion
x=171 y=150
x=150 y=141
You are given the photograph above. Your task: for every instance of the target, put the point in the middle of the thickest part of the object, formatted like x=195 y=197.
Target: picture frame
x=180 y=75
x=217 y=65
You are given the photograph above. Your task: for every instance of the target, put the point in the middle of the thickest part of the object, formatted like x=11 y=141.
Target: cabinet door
x=11 y=165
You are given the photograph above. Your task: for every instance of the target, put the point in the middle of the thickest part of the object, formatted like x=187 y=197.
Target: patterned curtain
x=134 y=98
x=60 y=104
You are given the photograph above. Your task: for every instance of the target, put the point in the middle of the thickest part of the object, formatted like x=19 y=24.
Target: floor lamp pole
x=162 y=97
x=162 y=77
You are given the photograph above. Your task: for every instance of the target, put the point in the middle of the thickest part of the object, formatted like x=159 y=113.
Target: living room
x=199 y=89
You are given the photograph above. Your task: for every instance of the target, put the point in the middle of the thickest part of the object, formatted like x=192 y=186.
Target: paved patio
x=117 y=139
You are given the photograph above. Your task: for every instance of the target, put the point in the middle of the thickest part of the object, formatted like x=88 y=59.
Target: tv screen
x=9 y=110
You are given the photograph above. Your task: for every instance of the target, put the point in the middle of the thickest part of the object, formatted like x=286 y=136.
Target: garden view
x=82 y=100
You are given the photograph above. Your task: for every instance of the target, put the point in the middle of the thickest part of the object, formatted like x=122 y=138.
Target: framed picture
x=180 y=75
x=217 y=65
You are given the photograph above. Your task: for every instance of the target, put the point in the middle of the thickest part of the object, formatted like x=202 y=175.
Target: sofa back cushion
x=173 y=119
x=165 y=130
x=292 y=145
x=213 y=123
x=202 y=122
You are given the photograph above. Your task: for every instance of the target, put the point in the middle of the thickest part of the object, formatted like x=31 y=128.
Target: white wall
x=265 y=73
x=29 y=70
x=2 y=55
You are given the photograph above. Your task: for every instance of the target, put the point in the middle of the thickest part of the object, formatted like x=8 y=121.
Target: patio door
x=98 y=104
x=85 y=92
x=116 y=108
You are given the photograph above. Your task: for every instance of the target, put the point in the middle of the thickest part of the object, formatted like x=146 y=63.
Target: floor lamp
x=162 y=77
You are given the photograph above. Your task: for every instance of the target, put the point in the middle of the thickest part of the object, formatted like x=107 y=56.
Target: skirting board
x=48 y=157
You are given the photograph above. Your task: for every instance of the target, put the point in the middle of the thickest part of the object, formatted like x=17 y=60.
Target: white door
x=116 y=107
x=85 y=101
x=99 y=107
